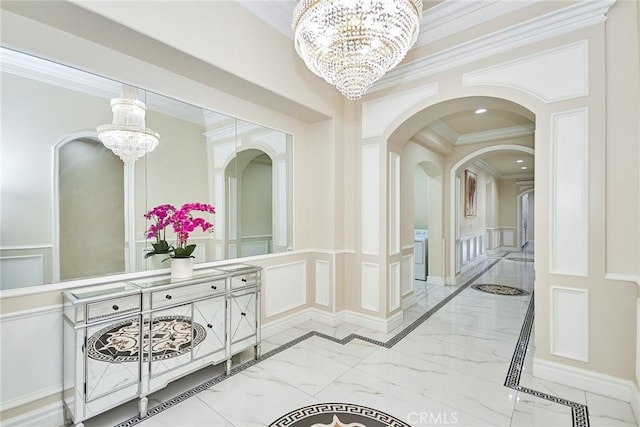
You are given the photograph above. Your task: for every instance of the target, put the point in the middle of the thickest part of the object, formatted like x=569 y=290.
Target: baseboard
x=635 y=401
x=409 y=301
x=435 y=280
x=477 y=260
x=583 y=379
x=269 y=329
x=370 y=322
x=330 y=319
x=46 y=416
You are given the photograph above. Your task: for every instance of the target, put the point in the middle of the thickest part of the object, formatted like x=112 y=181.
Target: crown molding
x=488 y=168
x=517 y=176
x=278 y=14
x=52 y=73
x=445 y=19
x=442 y=129
x=496 y=134
x=580 y=15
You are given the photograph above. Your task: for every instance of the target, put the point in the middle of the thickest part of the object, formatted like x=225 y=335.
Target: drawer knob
x=244 y=280
x=209 y=325
x=214 y=287
x=168 y=297
x=172 y=338
x=115 y=307
x=243 y=314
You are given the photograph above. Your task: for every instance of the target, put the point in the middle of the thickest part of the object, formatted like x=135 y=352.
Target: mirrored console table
x=109 y=358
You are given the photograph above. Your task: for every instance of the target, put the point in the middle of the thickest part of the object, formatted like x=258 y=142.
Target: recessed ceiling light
x=519 y=161
x=481 y=110
x=523 y=167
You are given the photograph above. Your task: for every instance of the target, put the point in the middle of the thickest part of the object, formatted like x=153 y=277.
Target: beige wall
x=256 y=200
x=91 y=200
x=507 y=203
x=421 y=199
x=36 y=117
x=327 y=159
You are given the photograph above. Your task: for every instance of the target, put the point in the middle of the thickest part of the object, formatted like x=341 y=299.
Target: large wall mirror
x=70 y=208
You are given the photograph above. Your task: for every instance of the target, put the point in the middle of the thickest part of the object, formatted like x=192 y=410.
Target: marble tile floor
x=448 y=370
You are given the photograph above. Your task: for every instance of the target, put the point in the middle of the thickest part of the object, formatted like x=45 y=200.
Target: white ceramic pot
x=181 y=268
x=154 y=262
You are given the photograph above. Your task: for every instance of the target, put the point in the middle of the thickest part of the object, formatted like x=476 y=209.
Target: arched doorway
x=90 y=209
x=431 y=126
x=250 y=204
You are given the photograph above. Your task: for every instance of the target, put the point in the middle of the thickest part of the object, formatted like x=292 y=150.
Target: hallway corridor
x=446 y=365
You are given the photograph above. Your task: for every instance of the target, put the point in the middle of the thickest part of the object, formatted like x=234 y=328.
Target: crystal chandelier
x=127 y=136
x=353 y=43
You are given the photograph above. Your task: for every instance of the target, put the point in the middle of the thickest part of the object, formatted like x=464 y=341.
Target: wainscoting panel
x=370 y=298
x=394 y=203
x=322 y=282
x=570 y=323
x=21 y=271
x=34 y=339
x=285 y=287
x=407 y=276
x=394 y=286
x=257 y=247
x=569 y=216
x=370 y=199
x=508 y=237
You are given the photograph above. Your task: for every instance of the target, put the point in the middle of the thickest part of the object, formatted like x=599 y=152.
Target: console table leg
x=228 y=367
x=143 y=405
x=256 y=351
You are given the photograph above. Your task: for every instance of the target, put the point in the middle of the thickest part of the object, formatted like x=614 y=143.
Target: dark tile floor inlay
x=493 y=288
x=579 y=412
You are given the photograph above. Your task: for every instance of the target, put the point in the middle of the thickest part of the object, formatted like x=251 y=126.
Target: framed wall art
x=470 y=193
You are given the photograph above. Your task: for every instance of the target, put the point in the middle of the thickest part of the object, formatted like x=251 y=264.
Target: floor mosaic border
x=580 y=414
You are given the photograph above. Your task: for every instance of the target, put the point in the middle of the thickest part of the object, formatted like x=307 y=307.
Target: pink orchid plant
x=182 y=222
x=161 y=215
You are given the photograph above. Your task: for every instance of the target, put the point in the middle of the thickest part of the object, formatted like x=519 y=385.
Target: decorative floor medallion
x=337 y=415
x=499 y=289
x=171 y=336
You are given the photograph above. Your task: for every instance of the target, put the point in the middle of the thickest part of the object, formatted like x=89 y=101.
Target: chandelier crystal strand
x=353 y=43
x=127 y=136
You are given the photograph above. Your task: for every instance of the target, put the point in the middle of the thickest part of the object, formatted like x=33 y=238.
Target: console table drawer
x=186 y=293
x=245 y=279
x=112 y=307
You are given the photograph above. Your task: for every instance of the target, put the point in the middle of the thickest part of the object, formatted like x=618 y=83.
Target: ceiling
x=442 y=19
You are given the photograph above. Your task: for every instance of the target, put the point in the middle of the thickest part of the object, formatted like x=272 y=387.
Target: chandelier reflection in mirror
x=127 y=136
x=353 y=43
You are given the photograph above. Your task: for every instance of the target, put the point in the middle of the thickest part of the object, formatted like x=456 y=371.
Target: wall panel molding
x=394 y=286
x=552 y=75
x=569 y=194
x=569 y=323
x=407 y=276
x=370 y=210
x=285 y=287
x=394 y=203
x=322 y=282
x=370 y=296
